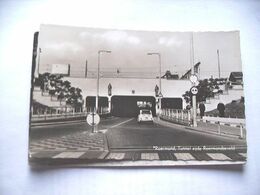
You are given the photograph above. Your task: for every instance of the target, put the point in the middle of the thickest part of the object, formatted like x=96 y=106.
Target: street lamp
x=99 y=52
x=218 y=64
x=160 y=82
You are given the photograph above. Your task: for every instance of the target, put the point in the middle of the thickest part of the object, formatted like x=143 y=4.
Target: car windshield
x=146 y=112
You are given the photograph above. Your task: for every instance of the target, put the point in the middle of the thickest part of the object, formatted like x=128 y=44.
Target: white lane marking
x=58 y=123
x=116 y=155
x=102 y=130
x=126 y=121
x=184 y=156
x=69 y=155
x=55 y=124
x=149 y=156
x=243 y=154
x=218 y=156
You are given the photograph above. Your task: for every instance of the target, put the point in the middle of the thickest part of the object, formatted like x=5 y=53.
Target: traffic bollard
x=219 y=132
x=241 y=131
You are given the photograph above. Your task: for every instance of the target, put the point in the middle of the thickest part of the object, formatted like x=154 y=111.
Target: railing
x=65 y=113
x=176 y=116
x=236 y=126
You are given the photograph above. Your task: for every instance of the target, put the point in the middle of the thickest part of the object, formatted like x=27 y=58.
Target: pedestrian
x=221 y=109
x=202 y=109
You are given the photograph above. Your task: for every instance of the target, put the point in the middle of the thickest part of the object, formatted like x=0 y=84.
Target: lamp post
x=218 y=64
x=160 y=82
x=99 y=52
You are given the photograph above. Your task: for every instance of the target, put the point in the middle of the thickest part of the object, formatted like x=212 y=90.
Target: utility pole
x=86 y=69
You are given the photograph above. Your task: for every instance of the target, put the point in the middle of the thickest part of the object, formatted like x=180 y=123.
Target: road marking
x=126 y=121
x=218 y=156
x=184 y=156
x=102 y=130
x=150 y=156
x=116 y=156
x=69 y=155
x=58 y=123
x=54 y=124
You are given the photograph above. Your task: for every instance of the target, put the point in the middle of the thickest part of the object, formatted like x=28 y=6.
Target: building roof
x=185 y=76
x=237 y=75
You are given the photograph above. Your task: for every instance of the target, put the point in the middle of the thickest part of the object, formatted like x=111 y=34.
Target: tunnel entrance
x=129 y=106
x=172 y=103
x=91 y=102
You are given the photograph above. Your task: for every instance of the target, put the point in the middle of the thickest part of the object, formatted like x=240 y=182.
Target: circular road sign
x=193 y=78
x=93 y=119
x=194 y=90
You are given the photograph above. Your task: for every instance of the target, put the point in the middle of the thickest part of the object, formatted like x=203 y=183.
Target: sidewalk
x=226 y=131
x=220 y=129
x=86 y=145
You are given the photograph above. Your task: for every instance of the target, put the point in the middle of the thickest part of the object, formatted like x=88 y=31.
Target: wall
x=123 y=86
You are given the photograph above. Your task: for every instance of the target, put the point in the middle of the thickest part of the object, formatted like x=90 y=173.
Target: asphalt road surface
x=57 y=129
x=126 y=133
x=145 y=135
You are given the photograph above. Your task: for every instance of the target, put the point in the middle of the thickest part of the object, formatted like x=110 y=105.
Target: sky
x=129 y=48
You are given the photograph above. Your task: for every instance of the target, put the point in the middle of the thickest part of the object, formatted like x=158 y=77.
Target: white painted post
x=45 y=113
x=182 y=115
x=189 y=122
x=219 y=132
x=241 y=131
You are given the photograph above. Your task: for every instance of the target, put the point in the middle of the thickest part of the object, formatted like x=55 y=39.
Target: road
x=125 y=139
x=146 y=135
x=57 y=129
x=126 y=133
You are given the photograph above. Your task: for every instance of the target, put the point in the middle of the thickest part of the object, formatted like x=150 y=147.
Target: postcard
x=109 y=97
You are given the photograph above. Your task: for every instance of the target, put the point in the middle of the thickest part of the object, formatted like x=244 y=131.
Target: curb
x=214 y=133
x=170 y=124
x=105 y=142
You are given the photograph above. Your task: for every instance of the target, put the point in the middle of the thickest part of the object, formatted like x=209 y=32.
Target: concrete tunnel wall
x=131 y=87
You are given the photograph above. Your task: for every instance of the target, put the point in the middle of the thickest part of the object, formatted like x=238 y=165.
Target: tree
x=67 y=84
x=207 y=88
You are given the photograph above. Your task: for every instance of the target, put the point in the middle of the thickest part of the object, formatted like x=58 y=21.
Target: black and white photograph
x=113 y=97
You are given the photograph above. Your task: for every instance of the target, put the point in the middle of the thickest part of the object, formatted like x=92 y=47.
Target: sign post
x=93 y=120
x=194 y=91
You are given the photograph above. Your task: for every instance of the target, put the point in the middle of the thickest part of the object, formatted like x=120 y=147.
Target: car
x=145 y=116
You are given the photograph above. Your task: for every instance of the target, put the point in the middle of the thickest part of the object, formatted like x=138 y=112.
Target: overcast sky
x=75 y=45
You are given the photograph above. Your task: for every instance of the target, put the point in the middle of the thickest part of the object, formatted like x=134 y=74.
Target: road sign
x=194 y=90
x=93 y=119
x=193 y=78
x=160 y=95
